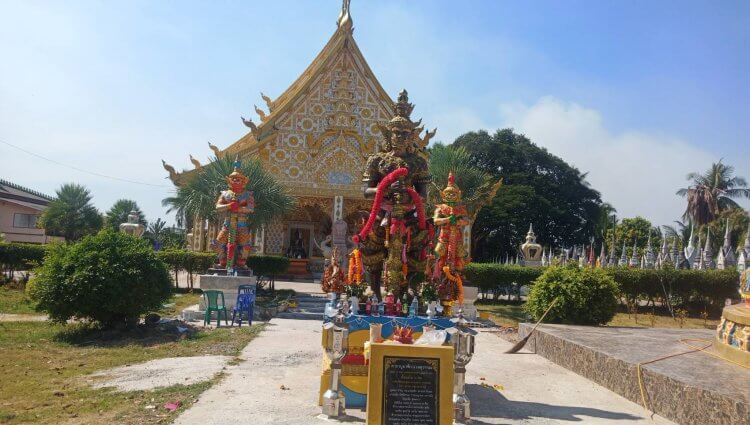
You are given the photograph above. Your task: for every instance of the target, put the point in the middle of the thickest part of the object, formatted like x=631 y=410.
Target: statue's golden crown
x=451 y=193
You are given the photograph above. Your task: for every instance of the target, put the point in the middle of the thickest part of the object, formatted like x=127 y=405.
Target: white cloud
x=635 y=171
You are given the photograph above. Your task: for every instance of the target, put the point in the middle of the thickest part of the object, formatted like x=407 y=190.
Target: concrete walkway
x=9 y=317
x=277 y=383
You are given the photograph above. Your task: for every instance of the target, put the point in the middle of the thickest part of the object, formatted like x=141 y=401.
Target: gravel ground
x=160 y=373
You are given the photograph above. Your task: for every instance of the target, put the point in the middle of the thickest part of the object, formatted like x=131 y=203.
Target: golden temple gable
x=314 y=138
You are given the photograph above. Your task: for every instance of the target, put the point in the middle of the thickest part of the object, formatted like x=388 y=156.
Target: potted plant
x=428 y=293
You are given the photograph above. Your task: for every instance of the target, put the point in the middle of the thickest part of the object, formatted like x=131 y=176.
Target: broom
x=519 y=345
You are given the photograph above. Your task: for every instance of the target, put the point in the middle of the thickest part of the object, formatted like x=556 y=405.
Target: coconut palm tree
x=477 y=186
x=118 y=214
x=712 y=192
x=71 y=214
x=680 y=230
x=197 y=198
x=607 y=219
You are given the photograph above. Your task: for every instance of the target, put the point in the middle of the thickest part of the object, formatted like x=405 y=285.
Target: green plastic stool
x=211 y=298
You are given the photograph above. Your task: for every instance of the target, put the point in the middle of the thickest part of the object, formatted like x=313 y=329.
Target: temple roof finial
x=345 y=18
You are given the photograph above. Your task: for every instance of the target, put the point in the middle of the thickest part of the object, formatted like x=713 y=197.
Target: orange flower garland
x=355 y=267
x=457 y=280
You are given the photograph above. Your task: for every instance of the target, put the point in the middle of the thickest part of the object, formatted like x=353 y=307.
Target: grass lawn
x=44 y=368
x=14 y=301
x=504 y=313
x=507 y=314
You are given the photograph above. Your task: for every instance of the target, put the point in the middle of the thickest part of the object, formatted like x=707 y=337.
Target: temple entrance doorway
x=304 y=239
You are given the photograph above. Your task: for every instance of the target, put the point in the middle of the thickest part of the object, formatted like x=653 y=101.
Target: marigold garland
x=355 y=267
x=457 y=280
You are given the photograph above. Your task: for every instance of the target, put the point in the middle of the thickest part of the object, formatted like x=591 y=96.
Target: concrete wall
x=20 y=234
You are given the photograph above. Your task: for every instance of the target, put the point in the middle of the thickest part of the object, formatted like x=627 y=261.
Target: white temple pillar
x=467 y=238
x=338 y=208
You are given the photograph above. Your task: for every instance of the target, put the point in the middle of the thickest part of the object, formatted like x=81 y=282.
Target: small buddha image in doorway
x=299 y=243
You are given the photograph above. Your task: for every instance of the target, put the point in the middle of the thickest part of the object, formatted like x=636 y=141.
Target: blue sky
x=635 y=93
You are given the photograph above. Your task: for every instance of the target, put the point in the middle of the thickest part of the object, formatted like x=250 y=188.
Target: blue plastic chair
x=245 y=304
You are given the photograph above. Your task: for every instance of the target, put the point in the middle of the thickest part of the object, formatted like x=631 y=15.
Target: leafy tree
x=738 y=227
x=110 y=277
x=118 y=214
x=712 y=192
x=477 y=186
x=71 y=214
x=637 y=230
x=539 y=188
x=197 y=198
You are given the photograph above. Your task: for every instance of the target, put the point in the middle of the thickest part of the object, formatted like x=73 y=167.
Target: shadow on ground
x=89 y=334
x=486 y=402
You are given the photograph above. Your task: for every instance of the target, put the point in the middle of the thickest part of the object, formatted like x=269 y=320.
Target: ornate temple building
x=314 y=138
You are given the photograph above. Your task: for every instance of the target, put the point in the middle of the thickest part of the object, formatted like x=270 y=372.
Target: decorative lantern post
x=462 y=339
x=132 y=226
x=336 y=343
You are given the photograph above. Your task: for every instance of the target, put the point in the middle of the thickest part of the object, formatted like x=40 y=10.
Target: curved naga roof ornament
x=250 y=124
x=215 y=149
x=195 y=162
x=170 y=169
x=260 y=113
x=269 y=102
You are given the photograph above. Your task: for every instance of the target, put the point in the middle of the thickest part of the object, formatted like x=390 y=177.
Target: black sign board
x=411 y=391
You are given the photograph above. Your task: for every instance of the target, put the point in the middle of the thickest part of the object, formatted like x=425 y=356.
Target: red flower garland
x=387 y=181
x=420 y=207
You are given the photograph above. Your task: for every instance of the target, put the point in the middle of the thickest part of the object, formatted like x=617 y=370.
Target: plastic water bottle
x=414 y=308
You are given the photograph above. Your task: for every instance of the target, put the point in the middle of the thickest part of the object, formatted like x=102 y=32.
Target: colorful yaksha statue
x=451 y=218
x=236 y=204
x=394 y=240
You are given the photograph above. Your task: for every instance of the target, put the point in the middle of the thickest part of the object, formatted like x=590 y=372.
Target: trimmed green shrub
x=110 y=277
x=585 y=296
x=267 y=265
x=693 y=289
x=488 y=276
x=20 y=256
x=190 y=261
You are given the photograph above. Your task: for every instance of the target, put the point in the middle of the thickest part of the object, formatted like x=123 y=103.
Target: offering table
x=355 y=368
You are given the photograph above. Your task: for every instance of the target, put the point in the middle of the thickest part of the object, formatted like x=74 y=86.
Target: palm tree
x=71 y=214
x=118 y=214
x=477 y=187
x=155 y=231
x=712 y=192
x=156 y=228
x=607 y=219
x=679 y=230
x=197 y=198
